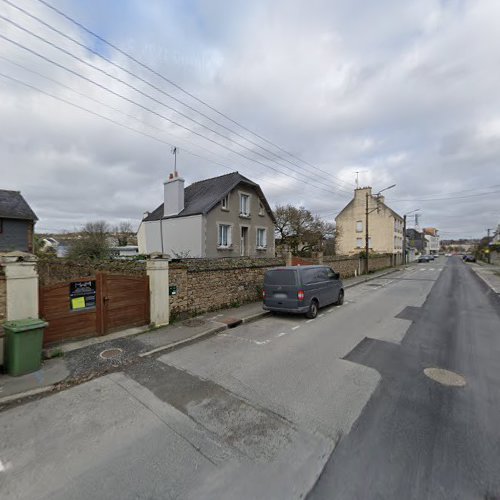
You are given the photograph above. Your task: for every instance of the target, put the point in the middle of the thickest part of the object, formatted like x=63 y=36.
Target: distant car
x=424 y=258
x=301 y=289
x=431 y=257
x=469 y=258
x=447 y=254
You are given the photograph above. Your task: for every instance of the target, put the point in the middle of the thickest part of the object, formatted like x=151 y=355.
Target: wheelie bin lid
x=24 y=325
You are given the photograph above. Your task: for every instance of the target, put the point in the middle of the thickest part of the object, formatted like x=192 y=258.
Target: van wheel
x=340 y=300
x=313 y=310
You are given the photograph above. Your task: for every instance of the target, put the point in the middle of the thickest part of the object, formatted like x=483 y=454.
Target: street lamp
x=367 y=213
x=489 y=241
x=404 y=232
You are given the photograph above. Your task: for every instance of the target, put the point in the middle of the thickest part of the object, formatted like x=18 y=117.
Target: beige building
x=226 y=216
x=385 y=226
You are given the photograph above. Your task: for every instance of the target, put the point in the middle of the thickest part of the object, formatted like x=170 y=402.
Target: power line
x=82 y=108
x=158 y=89
x=177 y=86
x=107 y=89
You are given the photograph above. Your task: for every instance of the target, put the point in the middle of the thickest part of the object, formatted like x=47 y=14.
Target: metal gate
x=94 y=306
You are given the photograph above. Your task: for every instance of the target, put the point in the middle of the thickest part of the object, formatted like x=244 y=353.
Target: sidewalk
x=84 y=360
x=489 y=273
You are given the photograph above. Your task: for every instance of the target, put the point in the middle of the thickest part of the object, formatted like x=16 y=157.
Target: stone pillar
x=21 y=285
x=159 y=305
x=289 y=258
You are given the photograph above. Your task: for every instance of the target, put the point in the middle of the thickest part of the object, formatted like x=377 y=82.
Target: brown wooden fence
x=93 y=306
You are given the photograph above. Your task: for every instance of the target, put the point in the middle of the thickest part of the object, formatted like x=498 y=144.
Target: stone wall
x=346 y=266
x=211 y=284
x=54 y=270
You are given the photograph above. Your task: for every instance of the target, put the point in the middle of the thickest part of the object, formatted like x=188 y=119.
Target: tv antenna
x=357 y=177
x=174 y=152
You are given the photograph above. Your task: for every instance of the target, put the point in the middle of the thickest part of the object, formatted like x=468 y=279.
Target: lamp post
x=367 y=213
x=404 y=232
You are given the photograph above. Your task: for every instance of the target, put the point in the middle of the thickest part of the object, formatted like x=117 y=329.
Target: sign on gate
x=82 y=295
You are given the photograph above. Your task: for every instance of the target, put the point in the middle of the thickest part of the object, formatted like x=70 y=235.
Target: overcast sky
x=403 y=92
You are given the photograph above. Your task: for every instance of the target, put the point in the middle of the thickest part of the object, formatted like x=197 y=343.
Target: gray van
x=301 y=289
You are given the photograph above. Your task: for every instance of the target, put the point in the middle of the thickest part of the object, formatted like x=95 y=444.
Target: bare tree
x=123 y=232
x=299 y=229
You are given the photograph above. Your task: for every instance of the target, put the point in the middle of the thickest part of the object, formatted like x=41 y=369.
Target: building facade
x=385 y=226
x=226 y=216
x=17 y=223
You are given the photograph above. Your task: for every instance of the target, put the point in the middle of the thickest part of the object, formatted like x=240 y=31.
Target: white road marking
x=431 y=269
x=283 y=333
x=321 y=315
x=295 y=327
x=4 y=466
x=309 y=320
x=262 y=342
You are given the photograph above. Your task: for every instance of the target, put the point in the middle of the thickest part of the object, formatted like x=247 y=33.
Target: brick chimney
x=173 y=195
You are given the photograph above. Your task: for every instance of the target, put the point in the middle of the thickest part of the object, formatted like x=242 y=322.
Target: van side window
x=309 y=276
x=322 y=274
x=331 y=273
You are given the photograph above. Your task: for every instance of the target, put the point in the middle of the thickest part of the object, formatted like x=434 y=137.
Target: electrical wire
x=179 y=87
x=107 y=89
x=158 y=89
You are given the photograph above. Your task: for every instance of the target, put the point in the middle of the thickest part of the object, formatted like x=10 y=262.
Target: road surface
x=336 y=407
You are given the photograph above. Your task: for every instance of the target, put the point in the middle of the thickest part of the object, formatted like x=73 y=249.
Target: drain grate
x=111 y=353
x=374 y=284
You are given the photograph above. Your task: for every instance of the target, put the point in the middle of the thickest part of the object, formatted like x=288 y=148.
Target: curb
x=27 y=394
x=185 y=342
x=490 y=286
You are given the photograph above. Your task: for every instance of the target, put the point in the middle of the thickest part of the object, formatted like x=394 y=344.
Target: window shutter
x=229 y=235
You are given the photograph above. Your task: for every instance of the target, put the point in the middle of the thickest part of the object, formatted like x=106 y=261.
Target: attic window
x=261 y=208
x=225 y=203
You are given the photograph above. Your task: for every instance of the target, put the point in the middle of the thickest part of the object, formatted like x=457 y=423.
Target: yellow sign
x=78 y=303
x=487 y=250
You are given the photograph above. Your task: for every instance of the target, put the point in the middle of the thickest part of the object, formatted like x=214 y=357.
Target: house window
x=261 y=238
x=261 y=208
x=369 y=243
x=359 y=226
x=359 y=242
x=225 y=203
x=395 y=242
x=224 y=236
x=244 y=204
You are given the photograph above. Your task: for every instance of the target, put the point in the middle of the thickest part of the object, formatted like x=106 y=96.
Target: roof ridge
x=213 y=178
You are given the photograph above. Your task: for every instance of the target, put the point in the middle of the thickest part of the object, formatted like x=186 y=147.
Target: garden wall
x=211 y=284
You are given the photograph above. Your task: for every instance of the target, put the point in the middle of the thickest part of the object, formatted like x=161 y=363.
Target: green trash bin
x=23 y=345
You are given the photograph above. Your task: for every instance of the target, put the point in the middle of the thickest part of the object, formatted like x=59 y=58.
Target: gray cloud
x=403 y=92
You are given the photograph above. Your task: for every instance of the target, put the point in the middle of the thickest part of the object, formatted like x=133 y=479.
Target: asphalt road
x=337 y=407
x=418 y=438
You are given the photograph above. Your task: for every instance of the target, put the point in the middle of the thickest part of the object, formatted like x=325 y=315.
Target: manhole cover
x=445 y=377
x=111 y=353
x=193 y=322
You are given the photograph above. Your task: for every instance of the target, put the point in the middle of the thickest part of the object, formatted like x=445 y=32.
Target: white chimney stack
x=173 y=195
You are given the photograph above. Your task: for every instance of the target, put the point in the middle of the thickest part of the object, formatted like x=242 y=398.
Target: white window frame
x=263 y=244
x=359 y=226
x=359 y=242
x=262 y=209
x=224 y=203
x=228 y=237
x=249 y=198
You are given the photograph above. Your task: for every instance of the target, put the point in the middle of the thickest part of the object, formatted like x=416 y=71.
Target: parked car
x=301 y=289
x=424 y=258
x=469 y=258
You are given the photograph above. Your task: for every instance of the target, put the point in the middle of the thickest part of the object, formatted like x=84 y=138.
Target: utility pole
x=489 y=250
x=404 y=232
x=367 y=213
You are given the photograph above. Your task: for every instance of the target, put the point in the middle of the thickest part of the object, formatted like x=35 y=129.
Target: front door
x=244 y=242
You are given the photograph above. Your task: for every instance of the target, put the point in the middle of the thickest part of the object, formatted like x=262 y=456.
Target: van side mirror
x=336 y=276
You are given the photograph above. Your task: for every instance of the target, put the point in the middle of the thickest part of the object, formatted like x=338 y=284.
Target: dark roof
x=14 y=206
x=200 y=197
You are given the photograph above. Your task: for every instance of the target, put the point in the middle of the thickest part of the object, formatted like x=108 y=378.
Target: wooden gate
x=93 y=306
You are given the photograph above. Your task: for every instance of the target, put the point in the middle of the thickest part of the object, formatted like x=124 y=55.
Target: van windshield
x=280 y=277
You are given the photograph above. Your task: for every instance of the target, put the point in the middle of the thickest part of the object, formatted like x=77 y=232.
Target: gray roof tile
x=200 y=197
x=14 y=206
